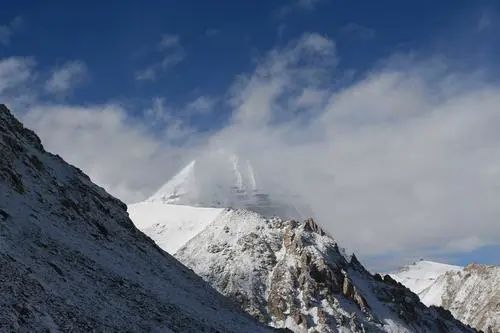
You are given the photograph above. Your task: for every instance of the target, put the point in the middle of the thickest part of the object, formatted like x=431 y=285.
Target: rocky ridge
x=293 y=274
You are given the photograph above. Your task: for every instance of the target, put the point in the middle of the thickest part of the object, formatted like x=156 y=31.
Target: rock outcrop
x=293 y=275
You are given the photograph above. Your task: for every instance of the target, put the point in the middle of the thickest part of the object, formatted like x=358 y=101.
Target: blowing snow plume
x=225 y=180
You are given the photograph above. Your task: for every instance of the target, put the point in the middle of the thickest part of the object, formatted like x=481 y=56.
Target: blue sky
x=219 y=41
x=380 y=97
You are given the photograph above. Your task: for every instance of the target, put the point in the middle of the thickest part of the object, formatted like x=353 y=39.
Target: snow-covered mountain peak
x=225 y=180
x=421 y=274
x=176 y=188
x=214 y=179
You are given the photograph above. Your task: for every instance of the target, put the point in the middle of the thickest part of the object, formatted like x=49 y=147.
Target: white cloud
x=297 y=5
x=404 y=160
x=310 y=98
x=201 y=105
x=15 y=71
x=118 y=153
x=309 y=4
x=300 y=64
x=171 y=54
x=16 y=77
x=66 y=77
x=6 y=31
x=168 y=121
x=169 y=41
x=147 y=74
x=127 y=155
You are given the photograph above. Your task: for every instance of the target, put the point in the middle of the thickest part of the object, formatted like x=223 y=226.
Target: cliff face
x=292 y=274
x=473 y=296
x=71 y=259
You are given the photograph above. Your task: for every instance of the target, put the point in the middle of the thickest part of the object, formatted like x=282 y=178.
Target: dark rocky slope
x=71 y=260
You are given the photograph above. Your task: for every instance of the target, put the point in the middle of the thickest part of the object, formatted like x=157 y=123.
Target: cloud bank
x=66 y=77
x=170 y=53
x=403 y=159
x=406 y=158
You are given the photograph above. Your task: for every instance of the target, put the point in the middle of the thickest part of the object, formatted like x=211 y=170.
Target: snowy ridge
x=72 y=261
x=471 y=293
x=293 y=275
x=421 y=275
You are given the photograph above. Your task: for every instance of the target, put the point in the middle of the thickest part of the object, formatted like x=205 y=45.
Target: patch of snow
x=171 y=226
x=422 y=274
x=470 y=293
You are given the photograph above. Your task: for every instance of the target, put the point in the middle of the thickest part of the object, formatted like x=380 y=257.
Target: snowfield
x=171 y=226
x=421 y=275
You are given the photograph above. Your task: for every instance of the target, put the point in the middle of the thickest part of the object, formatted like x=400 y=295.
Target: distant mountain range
x=471 y=293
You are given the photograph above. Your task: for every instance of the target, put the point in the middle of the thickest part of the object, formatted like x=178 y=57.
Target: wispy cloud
x=15 y=71
x=16 y=78
x=201 y=105
x=98 y=138
x=300 y=64
x=391 y=153
x=170 y=52
x=7 y=30
x=212 y=32
x=106 y=144
x=298 y=5
x=358 y=31
x=410 y=149
x=485 y=21
x=66 y=77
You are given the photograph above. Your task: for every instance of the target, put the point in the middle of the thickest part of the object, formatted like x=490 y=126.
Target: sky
x=383 y=115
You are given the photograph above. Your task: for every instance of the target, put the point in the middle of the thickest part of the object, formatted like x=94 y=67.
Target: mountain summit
x=204 y=188
x=221 y=179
